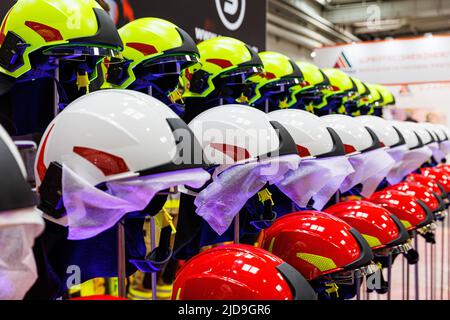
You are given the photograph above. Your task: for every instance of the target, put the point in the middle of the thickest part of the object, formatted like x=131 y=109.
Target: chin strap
x=83 y=81
x=332 y=290
x=242 y=99
x=158 y=257
x=268 y=216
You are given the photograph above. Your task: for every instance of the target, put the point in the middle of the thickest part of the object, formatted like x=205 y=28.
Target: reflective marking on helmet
x=145 y=49
x=302 y=151
x=406 y=224
x=372 y=241
x=235 y=152
x=272 y=242
x=220 y=62
x=178 y=294
x=349 y=149
x=320 y=262
x=2 y=35
x=268 y=75
x=47 y=33
x=107 y=163
x=41 y=169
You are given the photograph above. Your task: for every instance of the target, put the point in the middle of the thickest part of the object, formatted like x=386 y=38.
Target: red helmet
x=317 y=244
x=378 y=226
x=239 y=272
x=413 y=213
x=441 y=175
x=430 y=199
x=427 y=181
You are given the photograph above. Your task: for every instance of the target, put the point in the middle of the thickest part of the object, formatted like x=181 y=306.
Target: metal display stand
x=121 y=261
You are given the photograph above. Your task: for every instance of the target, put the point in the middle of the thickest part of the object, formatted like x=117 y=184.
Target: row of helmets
x=80 y=40
x=112 y=151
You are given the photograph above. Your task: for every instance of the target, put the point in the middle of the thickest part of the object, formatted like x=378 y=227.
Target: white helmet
x=20 y=224
x=411 y=138
x=386 y=132
x=355 y=136
x=445 y=130
x=311 y=135
x=115 y=134
x=109 y=153
x=424 y=135
x=237 y=133
x=437 y=132
x=15 y=193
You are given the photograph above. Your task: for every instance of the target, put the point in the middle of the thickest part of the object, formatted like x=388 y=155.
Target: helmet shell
x=278 y=69
x=405 y=207
x=148 y=39
x=354 y=135
x=310 y=133
x=426 y=181
x=15 y=192
x=232 y=272
x=385 y=131
x=233 y=133
x=439 y=174
x=372 y=221
x=50 y=23
x=218 y=56
x=109 y=134
x=425 y=136
x=419 y=191
x=411 y=138
x=315 y=243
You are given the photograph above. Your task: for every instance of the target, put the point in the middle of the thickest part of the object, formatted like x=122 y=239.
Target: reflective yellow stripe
x=321 y=263
x=406 y=224
x=372 y=241
x=271 y=244
x=178 y=294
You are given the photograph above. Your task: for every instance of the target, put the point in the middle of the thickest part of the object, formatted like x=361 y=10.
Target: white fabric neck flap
x=412 y=160
x=398 y=153
x=91 y=211
x=378 y=172
x=366 y=165
x=18 y=272
x=227 y=194
x=438 y=155
x=445 y=147
x=315 y=178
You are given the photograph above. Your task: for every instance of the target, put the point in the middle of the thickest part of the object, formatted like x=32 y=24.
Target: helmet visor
x=240 y=75
x=172 y=65
x=81 y=52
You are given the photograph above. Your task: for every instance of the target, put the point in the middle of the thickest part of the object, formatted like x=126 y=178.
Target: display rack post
x=121 y=260
x=442 y=258
x=152 y=247
x=389 y=276
x=416 y=268
x=426 y=271
x=236 y=229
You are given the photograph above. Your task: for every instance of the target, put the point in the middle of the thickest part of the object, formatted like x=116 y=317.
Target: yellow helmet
x=386 y=94
x=156 y=53
x=354 y=103
x=374 y=104
x=226 y=65
x=309 y=93
x=342 y=89
x=274 y=84
x=40 y=31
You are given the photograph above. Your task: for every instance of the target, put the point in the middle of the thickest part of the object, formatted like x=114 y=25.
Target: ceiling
x=388 y=18
x=314 y=23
